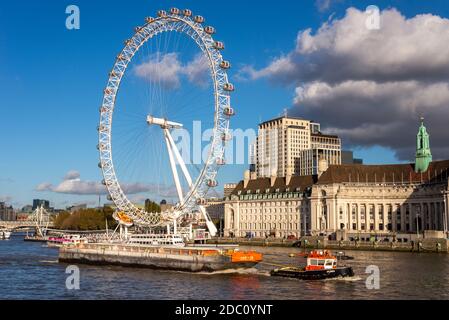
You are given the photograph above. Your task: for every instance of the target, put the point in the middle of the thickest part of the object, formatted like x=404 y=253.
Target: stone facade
x=380 y=200
x=264 y=207
x=351 y=201
x=7 y=213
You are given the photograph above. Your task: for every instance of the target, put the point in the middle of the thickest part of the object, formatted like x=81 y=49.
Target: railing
x=117 y=248
x=19 y=224
x=369 y=244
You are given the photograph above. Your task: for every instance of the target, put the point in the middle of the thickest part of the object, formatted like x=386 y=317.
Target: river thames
x=31 y=271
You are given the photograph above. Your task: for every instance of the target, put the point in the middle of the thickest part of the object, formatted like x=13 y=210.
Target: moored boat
x=69 y=239
x=5 y=234
x=321 y=264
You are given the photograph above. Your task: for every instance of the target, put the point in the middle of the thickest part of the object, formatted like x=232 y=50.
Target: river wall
x=435 y=245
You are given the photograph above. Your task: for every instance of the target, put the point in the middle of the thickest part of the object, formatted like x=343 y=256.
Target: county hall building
x=344 y=201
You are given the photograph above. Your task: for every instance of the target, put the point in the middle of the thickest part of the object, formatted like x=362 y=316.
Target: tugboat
x=321 y=264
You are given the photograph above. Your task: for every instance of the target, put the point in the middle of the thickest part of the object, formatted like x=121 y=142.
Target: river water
x=31 y=271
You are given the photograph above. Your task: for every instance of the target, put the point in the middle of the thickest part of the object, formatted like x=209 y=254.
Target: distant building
x=7 y=213
x=76 y=208
x=38 y=202
x=292 y=142
x=228 y=188
x=325 y=147
x=27 y=209
x=22 y=216
x=164 y=205
x=215 y=209
x=347 y=157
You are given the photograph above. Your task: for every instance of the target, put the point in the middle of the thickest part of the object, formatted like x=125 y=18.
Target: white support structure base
x=174 y=154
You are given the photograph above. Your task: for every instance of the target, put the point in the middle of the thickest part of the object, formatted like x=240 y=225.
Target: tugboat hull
x=313 y=274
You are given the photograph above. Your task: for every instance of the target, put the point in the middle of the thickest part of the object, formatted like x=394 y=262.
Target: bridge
x=40 y=220
x=14 y=225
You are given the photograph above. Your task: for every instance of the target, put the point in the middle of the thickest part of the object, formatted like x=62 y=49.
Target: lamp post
x=417 y=225
x=445 y=214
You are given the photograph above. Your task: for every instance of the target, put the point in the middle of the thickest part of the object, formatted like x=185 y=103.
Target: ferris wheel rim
x=207 y=45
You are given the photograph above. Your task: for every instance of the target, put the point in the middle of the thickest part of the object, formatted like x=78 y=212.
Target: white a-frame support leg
x=210 y=225
x=173 y=165
x=173 y=154
x=180 y=160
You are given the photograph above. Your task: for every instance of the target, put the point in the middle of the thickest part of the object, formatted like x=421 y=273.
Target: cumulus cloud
x=79 y=187
x=371 y=86
x=345 y=49
x=45 y=186
x=72 y=184
x=166 y=70
x=71 y=175
x=162 y=69
x=197 y=71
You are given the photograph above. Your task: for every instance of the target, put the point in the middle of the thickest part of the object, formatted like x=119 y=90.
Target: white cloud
x=282 y=66
x=161 y=69
x=371 y=86
x=71 y=175
x=76 y=186
x=404 y=49
x=45 y=186
x=197 y=71
x=167 y=70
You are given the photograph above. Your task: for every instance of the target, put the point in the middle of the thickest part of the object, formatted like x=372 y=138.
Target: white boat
x=68 y=239
x=5 y=235
x=156 y=240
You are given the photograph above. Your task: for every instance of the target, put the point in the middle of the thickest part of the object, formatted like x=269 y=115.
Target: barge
x=190 y=259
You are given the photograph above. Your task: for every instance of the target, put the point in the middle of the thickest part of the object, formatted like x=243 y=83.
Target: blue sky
x=51 y=79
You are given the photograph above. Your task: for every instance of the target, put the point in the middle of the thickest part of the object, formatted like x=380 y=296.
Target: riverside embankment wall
x=422 y=245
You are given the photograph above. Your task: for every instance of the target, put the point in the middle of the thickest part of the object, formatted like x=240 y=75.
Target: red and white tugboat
x=321 y=264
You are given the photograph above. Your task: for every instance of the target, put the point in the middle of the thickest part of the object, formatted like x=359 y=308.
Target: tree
x=151 y=206
x=86 y=220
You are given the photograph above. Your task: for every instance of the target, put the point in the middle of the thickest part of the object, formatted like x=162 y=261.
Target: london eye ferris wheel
x=172 y=77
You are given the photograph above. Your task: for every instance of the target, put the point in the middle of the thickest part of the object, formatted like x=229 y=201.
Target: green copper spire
x=423 y=154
